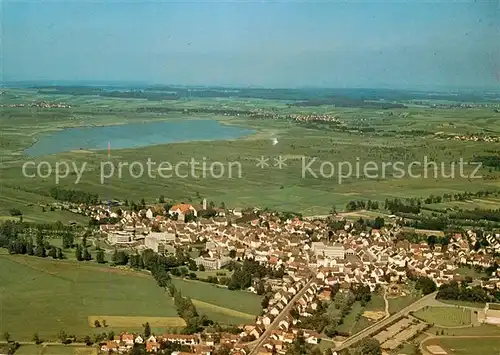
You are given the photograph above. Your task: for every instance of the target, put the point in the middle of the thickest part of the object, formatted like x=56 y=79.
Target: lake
x=134 y=135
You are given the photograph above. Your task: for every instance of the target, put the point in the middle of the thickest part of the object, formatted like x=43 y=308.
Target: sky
x=288 y=43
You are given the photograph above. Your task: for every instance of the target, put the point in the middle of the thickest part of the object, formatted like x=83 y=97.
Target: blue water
x=134 y=135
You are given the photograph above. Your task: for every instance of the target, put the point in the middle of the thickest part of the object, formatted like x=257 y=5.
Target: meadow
x=52 y=296
x=445 y=316
x=385 y=139
x=468 y=346
x=56 y=350
x=360 y=317
x=398 y=303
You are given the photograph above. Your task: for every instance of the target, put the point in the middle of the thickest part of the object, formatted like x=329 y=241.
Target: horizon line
x=128 y=83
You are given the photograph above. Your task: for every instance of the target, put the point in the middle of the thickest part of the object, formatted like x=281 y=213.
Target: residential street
x=263 y=338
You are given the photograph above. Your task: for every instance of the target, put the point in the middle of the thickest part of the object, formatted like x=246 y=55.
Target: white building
x=212 y=263
x=335 y=251
x=156 y=240
x=119 y=237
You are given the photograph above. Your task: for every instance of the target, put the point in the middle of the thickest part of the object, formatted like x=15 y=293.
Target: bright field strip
x=134 y=322
x=445 y=316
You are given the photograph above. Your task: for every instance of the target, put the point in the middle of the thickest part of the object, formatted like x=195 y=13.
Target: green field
x=282 y=189
x=55 y=350
x=398 y=303
x=482 y=330
x=52 y=296
x=467 y=271
x=465 y=303
x=350 y=320
x=483 y=203
x=468 y=346
x=445 y=316
x=359 y=317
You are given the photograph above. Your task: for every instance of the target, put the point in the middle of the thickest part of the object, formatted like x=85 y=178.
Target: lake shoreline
x=87 y=137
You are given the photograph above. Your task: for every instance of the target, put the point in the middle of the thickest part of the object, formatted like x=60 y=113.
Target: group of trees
x=327 y=320
x=413 y=205
x=459 y=196
x=74 y=196
x=361 y=205
x=82 y=253
x=477 y=214
x=18 y=237
x=432 y=240
x=464 y=292
x=407 y=205
x=425 y=284
x=15 y=212
x=300 y=347
x=136 y=207
x=492 y=161
x=440 y=223
x=250 y=270
x=367 y=346
x=120 y=257
x=42 y=249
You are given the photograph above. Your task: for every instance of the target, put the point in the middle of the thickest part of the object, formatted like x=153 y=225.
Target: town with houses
x=314 y=259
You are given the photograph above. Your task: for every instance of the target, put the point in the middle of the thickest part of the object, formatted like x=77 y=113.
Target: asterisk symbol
x=262 y=162
x=280 y=162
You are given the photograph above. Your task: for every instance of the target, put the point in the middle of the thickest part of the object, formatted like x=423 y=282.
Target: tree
x=100 y=256
x=189 y=216
x=97 y=324
x=201 y=267
x=147 y=330
x=79 y=252
x=53 y=252
x=378 y=223
x=426 y=285
x=161 y=199
x=87 y=340
x=36 y=339
x=63 y=336
x=120 y=257
x=40 y=251
x=59 y=253
x=67 y=240
x=86 y=255
x=6 y=336
x=111 y=335
x=29 y=247
x=368 y=346
x=192 y=265
x=260 y=289
x=333 y=211
x=15 y=212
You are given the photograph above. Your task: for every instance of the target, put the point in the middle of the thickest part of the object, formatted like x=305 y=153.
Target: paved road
x=422 y=302
x=386 y=304
x=263 y=338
